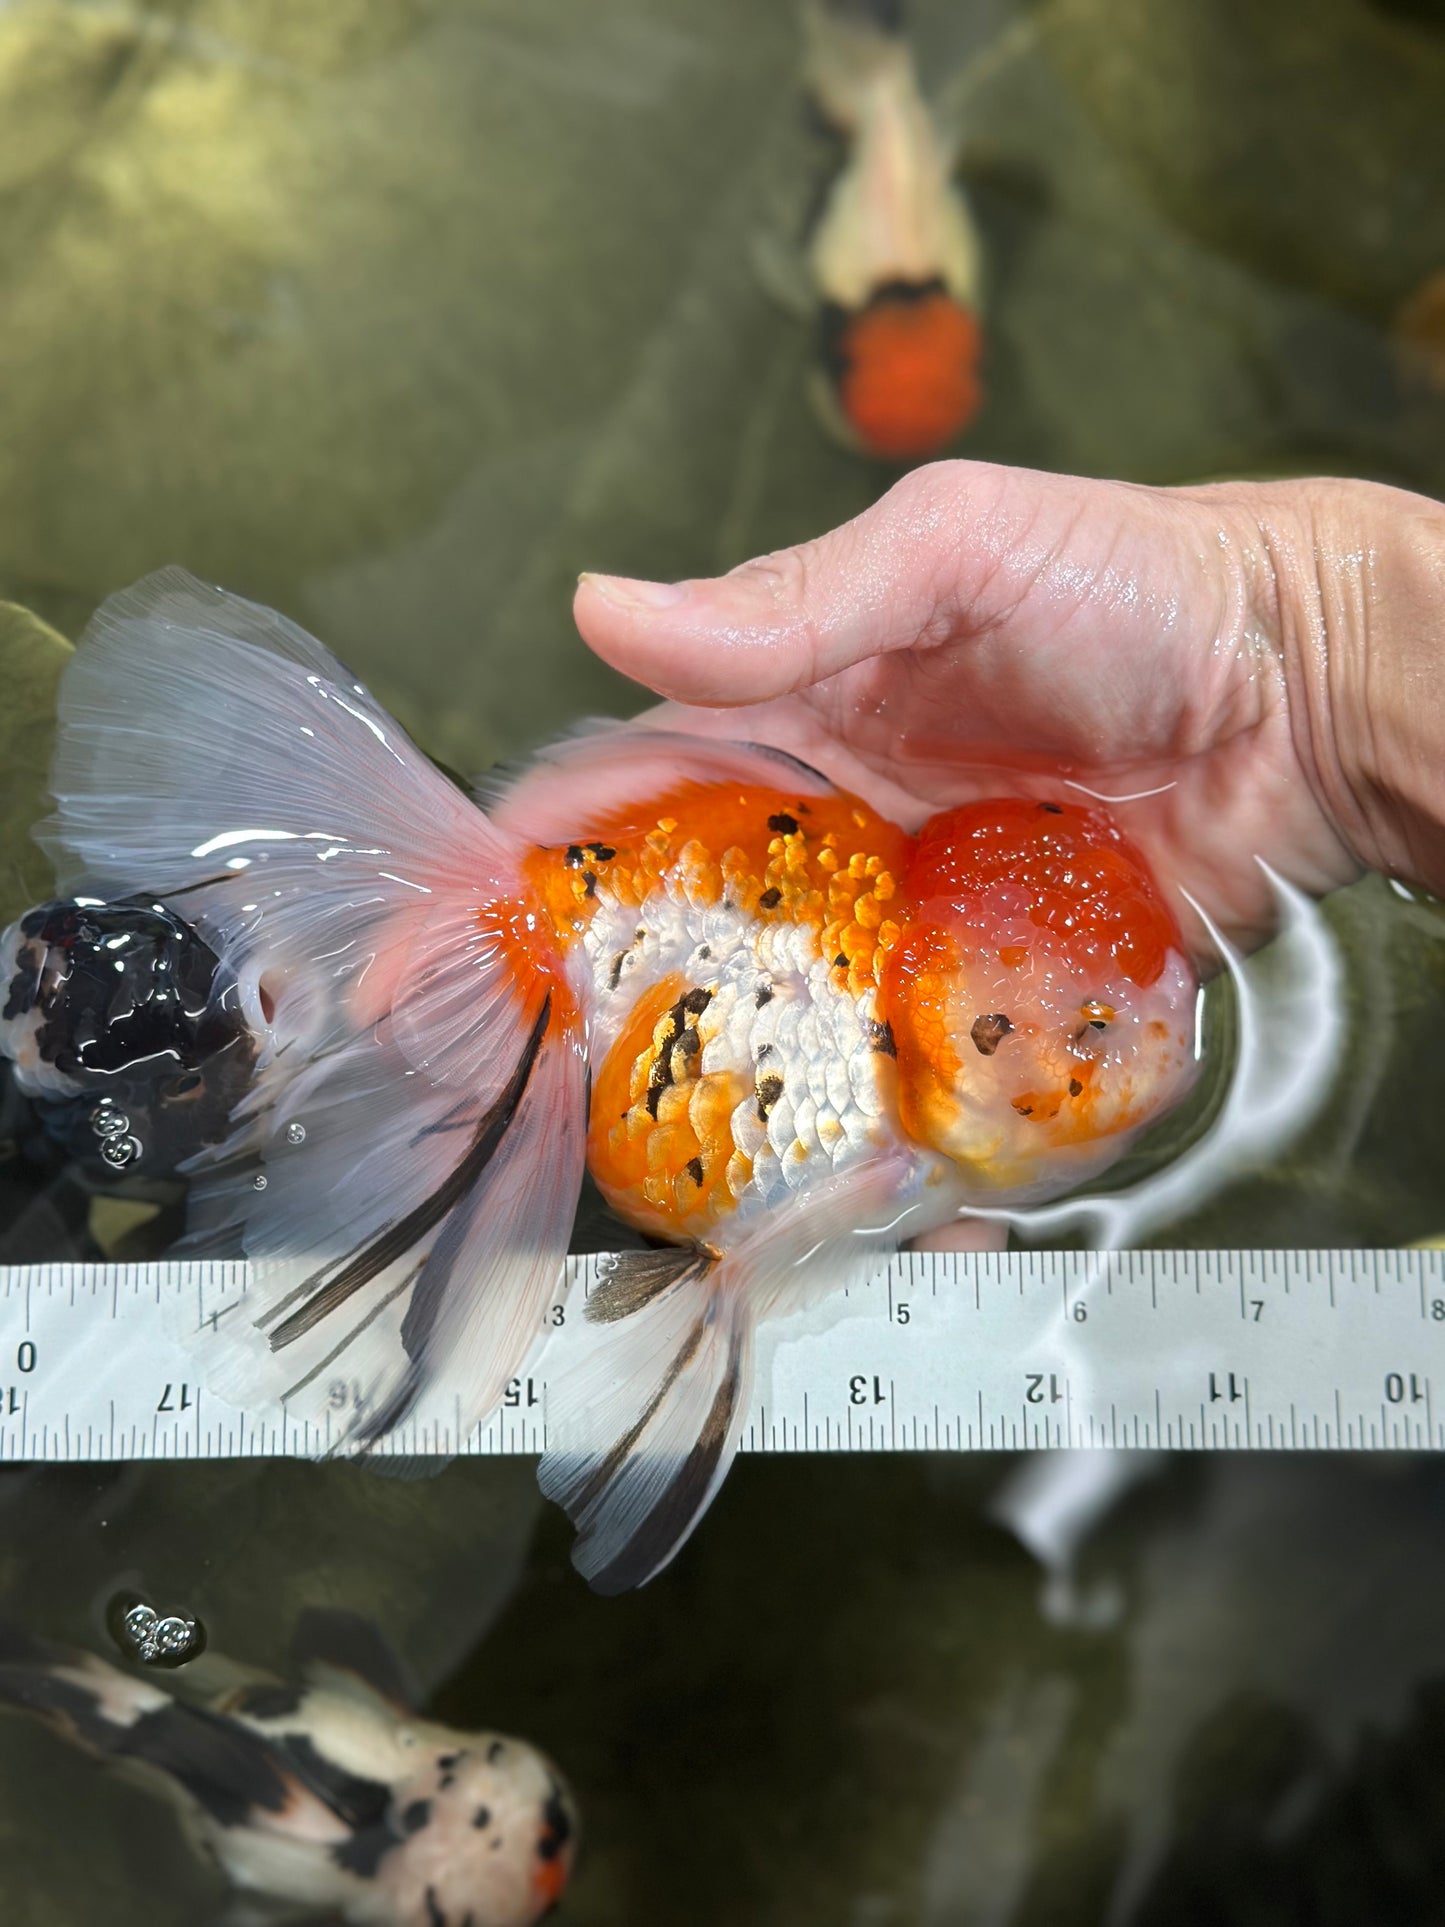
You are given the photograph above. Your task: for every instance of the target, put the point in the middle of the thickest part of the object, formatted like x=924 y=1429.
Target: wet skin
x=1265 y=657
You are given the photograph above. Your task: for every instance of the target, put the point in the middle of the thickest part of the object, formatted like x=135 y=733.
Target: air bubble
x=295 y=1133
x=120 y=1152
x=258 y=1183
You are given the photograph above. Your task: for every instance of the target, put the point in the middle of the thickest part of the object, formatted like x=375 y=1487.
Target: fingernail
x=625 y=592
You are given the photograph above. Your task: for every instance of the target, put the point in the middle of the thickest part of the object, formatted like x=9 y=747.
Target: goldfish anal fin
x=666 y=1382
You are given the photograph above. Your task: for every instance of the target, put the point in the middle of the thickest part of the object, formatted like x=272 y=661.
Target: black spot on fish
x=227 y=1771
x=689 y=1043
x=602 y=852
x=769 y=1089
x=763 y=995
x=482 y=1818
x=1075 y=1087
x=704 y=952
x=835 y=322
x=782 y=824
x=364 y=1852
x=357 y=1801
x=495 y=1751
x=589 y=882
x=25 y=984
x=434 y=1915
x=696 y=1001
x=989 y=1032
x=416 y=1816
x=771 y=898
x=619 y=962
x=694 y=1170
x=575 y=856
x=557 y=1825
x=1052 y=809
x=268 y=1701
x=840 y=962
x=881 y=1038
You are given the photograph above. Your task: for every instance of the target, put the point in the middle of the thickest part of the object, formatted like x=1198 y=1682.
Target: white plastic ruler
x=1323 y=1350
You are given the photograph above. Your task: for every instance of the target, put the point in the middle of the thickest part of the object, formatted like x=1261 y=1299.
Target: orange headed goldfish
x=894 y=256
x=782 y=1033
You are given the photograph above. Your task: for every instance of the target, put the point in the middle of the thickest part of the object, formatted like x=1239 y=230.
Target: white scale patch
x=835 y=1105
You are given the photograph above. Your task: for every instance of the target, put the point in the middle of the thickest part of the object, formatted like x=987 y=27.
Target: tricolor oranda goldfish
x=894 y=256
x=781 y=1032
x=326 y=1795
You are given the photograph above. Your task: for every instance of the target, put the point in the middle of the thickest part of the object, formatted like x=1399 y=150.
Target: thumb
x=951 y=550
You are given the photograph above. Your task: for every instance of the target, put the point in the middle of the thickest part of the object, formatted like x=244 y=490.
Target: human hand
x=1258 y=666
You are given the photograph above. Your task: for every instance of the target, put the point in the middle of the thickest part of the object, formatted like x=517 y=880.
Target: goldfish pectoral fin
x=823 y=397
x=629 y=1280
x=645 y=1423
x=346 y=1648
x=782 y=273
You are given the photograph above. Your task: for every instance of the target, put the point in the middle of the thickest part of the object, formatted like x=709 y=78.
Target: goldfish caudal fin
x=405 y=1167
x=849 y=47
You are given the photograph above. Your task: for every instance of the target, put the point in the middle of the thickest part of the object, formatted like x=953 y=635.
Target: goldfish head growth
x=1040 y=996
x=490 y=1832
x=904 y=368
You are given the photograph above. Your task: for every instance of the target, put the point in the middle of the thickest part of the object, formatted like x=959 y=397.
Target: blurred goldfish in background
x=894 y=258
x=329 y=1793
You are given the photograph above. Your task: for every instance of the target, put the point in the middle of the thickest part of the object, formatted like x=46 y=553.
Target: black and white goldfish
x=326 y=1795
x=782 y=1033
x=894 y=257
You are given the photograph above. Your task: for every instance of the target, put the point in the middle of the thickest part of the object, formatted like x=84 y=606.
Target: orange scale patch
x=660 y=1142
x=825 y=863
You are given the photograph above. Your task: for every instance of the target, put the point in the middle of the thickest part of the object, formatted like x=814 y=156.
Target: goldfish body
x=894 y=256
x=325 y=1795
x=783 y=1034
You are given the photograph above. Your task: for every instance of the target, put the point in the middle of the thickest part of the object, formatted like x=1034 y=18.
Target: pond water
x=397 y=313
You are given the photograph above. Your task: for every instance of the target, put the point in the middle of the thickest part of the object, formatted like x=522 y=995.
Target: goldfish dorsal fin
x=600 y=767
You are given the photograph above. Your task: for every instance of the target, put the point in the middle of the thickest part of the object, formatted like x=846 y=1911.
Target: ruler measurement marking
x=1327 y=1334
